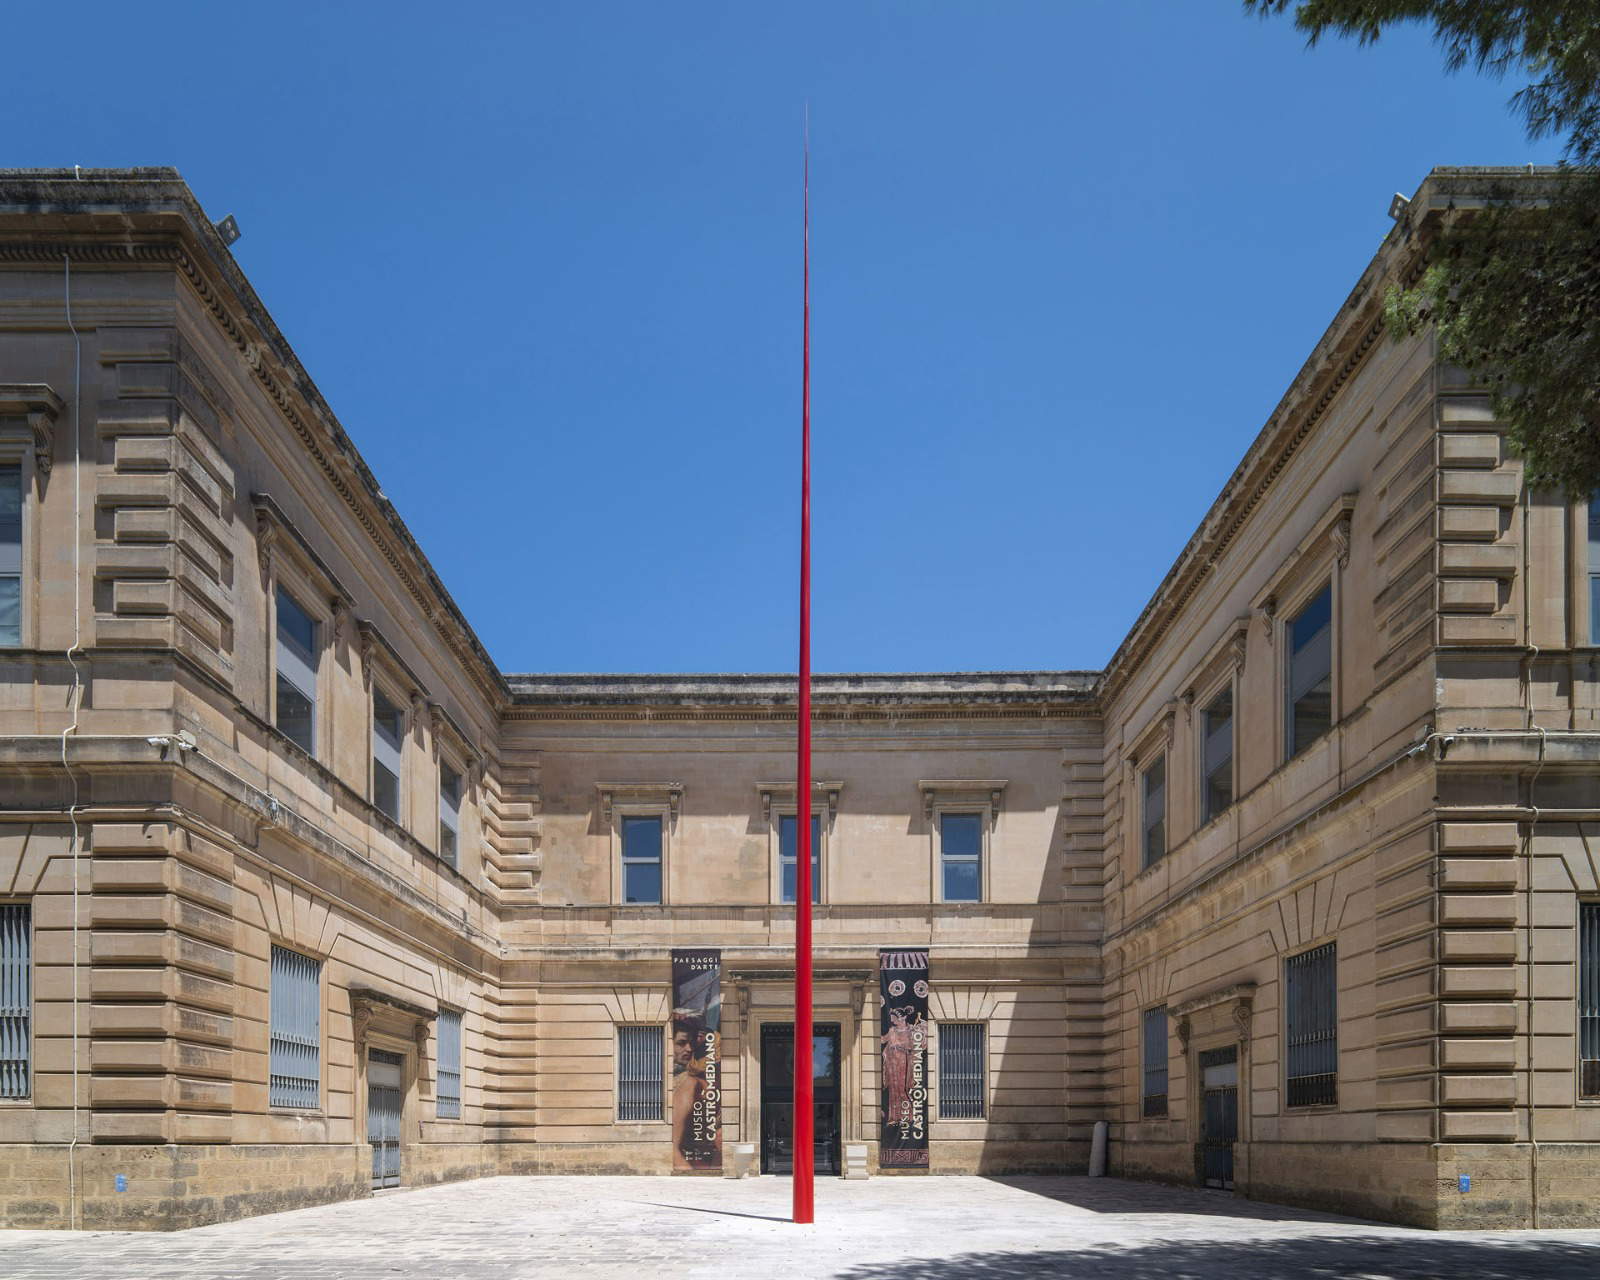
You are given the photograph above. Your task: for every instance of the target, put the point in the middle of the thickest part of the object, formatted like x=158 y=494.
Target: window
x=641 y=859
x=388 y=732
x=449 y=1088
x=961 y=856
x=449 y=813
x=16 y=998
x=1589 y=999
x=1594 y=569
x=961 y=1071
x=1155 y=1061
x=788 y=866
x=295 y=1068
x=641 y=1058
x=1153 y=810
x=1310 y=692
x=10 y=557
x=1311 y=1026
x=1216 y=755
x=297 y=673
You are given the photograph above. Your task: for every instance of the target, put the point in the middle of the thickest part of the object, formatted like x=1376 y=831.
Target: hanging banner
x=696 y=1060
x=903 y=1033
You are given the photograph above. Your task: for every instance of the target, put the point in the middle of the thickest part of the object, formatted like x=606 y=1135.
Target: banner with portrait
x=903 y=1035
x=696 y=1056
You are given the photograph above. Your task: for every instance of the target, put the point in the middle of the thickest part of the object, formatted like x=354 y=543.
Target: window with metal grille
x=788 y=864
x=1589 y=999
x=641 y=1059
x=961 y=856
x=1155 y=1061
x=10 y=557
x=295 y=1069
x=449 y=812
x=1153 y=810
x=1216 y=755
x=1311 y=1026
x=1309 y=696
x=388 y=732
x=296 y=656
x=449 y=1087
x=961 y=1071
x=641 y=859
x=16 y=998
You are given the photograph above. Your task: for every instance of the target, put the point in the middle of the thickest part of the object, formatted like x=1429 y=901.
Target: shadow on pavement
x=1303 y=1258
x=1122 y=1195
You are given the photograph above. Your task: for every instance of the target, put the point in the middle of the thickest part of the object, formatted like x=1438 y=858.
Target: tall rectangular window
x=449 y=813
x=788 y=864
x=1589 y=999
x=296 y=654
x=11 y=553
x=16 y=999
x=1594 y=569
x=641 y=859
x=295 y=1067
x=962 y=1073
x=641 y=1060
x=1311 y=1026
x=449 y=1086
x=1216 y=755
x=1155 y=1061
x=961 y=856
x=1309 y=697
x=388 y=732
x=1153 y=810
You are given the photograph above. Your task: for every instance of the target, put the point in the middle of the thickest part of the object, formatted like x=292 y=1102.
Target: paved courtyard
x=904 y=1228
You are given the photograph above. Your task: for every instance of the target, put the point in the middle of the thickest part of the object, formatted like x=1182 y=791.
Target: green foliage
x=1513 y=290
x=1554 y=43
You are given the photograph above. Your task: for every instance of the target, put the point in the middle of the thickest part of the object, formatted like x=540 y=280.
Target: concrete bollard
x=855 y=1161
x=741 y=1162
x=1097 y=1150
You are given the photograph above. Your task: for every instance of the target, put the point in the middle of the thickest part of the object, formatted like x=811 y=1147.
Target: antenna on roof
x=228 y=229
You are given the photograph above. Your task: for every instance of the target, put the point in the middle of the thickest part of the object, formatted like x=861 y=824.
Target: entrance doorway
x=383 y=1115
x=777 y=1096
x=1219 y=1115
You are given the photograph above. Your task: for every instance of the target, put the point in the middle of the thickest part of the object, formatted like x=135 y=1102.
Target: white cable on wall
x=74 y=698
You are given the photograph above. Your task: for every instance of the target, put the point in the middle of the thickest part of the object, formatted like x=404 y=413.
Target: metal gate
x=1219 y=1123
x=383 y=1116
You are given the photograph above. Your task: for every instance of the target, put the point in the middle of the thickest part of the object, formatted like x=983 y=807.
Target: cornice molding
x=39 y=407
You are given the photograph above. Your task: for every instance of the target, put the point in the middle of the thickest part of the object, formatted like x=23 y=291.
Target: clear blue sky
x=543 y=260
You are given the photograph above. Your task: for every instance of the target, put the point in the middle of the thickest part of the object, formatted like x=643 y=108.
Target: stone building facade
x=300 y=894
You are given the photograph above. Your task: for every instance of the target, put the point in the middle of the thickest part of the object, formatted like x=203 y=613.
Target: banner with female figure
x=696 y=1060
x=903 y=1034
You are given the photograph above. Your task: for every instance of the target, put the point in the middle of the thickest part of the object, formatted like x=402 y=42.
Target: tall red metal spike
x=804 y=1142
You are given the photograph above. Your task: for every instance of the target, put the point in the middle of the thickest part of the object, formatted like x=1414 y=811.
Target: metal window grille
x=295 y=1069
x=1310 y=675
x=16 y=998
x=1153 y=810
x=10 y=555
x=1589 y=998
x=641 y=1059
x=1217 y=754
x=1594 y=571
x=788 y=858
x=1311 y=1016
x=961 y=1071
x=1155 y=1062
x=449 y=1064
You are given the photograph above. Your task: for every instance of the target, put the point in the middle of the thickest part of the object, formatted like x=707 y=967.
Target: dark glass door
x=777 y=1096
x=1219 y=1115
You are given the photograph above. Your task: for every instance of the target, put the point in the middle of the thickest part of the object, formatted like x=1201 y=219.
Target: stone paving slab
x=883 y=1229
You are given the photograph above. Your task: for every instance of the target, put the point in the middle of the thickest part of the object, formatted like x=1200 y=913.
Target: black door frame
x=777 y=1100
